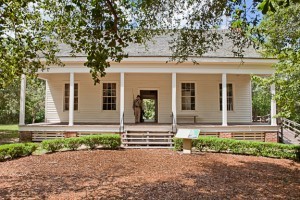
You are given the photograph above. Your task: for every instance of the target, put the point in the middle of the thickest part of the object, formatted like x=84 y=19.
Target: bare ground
x=148 y=174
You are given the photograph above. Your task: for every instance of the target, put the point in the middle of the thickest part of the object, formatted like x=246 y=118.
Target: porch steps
x=147 y=139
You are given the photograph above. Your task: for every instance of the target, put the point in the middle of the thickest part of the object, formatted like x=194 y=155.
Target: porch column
x=122 y=100
x=174 y=119
x=224 y=99
x=273 y=106
x=22 y=100
x=71 y=100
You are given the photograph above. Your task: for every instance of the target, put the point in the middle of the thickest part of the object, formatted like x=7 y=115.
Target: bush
x=53 y=145
x=111 y=141
x=73 y=143
x=11 y=151
x=243 y=147
x=178 y=144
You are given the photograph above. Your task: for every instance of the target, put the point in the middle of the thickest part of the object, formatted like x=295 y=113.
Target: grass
x=9 y=131
x=11 y=127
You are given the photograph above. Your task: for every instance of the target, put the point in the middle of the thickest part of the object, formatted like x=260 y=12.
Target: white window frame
x=63 y=100
x=180 y=98
x=233 y=98
x=117 y=96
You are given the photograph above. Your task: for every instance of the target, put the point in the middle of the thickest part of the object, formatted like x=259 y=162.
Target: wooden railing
x=174 y=129
x=121 y=129
x=263 y=119
x=291 y=125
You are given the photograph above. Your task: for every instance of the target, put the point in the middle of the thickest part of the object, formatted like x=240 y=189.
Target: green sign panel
x=188 y=133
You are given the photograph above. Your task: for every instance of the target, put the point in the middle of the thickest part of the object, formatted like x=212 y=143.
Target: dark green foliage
x=243 y=147
x=11 y=151
x=35 y=102
x=73 y=143
x=53 y=145
x=111 y=141
x=178 y=144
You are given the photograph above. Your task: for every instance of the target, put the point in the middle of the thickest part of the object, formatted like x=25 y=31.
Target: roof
x=159 y=47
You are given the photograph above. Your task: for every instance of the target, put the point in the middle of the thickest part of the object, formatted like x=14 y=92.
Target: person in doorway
x=137 y=108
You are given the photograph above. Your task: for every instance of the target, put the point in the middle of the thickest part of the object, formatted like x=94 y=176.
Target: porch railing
x=290 y=125
x=174 y=128
x=122 y=128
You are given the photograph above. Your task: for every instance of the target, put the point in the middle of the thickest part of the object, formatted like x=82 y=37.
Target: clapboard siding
x=161 y=82
x=90 y=109
x=90 y=101
x=207 y=97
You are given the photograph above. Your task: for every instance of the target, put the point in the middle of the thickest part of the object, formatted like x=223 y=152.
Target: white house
x=214 y=96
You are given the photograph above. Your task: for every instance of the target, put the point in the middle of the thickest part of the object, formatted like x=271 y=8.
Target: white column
x=273 y=106
x=71 y=100
x=224 y=100
x=174 y=99
x=22 y=100
x=122 y=99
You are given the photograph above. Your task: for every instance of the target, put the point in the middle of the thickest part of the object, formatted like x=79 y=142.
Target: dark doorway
x=150 y=105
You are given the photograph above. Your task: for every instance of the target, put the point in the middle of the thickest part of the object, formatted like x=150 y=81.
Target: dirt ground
x=148 y=174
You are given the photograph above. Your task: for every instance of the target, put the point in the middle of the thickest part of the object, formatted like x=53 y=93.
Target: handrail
x=291 y=125
x=173 y=122
x=121 y=129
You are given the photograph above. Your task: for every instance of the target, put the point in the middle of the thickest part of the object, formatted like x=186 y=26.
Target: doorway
x=150 y=105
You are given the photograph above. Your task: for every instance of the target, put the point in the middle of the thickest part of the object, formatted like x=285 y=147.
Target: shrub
x=73 y=143
x=91 y=141
x=243 y=147
x=111 y=141
x=53 y=145
x=178 y=144
x=16 y=150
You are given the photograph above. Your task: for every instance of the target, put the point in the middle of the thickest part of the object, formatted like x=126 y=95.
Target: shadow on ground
x=211 y=180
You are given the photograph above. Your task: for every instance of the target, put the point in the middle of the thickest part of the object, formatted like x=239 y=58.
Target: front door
x=150 y=105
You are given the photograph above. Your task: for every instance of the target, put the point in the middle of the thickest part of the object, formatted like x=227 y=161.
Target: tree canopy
x=280 y=31
x=31 y=31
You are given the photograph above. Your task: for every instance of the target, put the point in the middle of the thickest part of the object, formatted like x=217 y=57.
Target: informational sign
x=188 y=133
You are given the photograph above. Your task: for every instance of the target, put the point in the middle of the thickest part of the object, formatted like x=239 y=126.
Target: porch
x=243 y=131
x=215 y=96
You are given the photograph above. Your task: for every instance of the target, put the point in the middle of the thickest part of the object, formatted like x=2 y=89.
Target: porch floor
x=115 y=127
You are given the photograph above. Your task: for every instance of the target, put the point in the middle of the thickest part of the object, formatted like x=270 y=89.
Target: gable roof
x=159 y=47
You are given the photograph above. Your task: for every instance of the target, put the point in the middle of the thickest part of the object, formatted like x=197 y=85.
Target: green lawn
x=11 y=127
x=8 y=131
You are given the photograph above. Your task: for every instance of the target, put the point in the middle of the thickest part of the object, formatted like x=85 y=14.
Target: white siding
x=207 y=97
x=161 y=82
x=90 y=101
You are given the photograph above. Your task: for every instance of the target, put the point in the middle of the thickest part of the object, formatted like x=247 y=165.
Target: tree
x=102 y=29
x=261 y=98
x=32 y=29
x=280 y=33
x=25 y=37
x=10 y=102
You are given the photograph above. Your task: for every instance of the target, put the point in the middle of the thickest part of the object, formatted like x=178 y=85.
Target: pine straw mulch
x=148 y=174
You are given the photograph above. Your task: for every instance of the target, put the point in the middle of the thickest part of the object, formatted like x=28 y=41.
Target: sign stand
x=187 y=146
x=187 y=135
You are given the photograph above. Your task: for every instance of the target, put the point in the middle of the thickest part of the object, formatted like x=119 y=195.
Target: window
x=67 y=96
x=109 y=96
x=229 y=96
x=187 y=96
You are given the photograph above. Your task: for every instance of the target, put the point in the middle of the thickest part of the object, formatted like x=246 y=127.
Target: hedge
x=111 y=141
x=265 y=149
x=11 y=151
